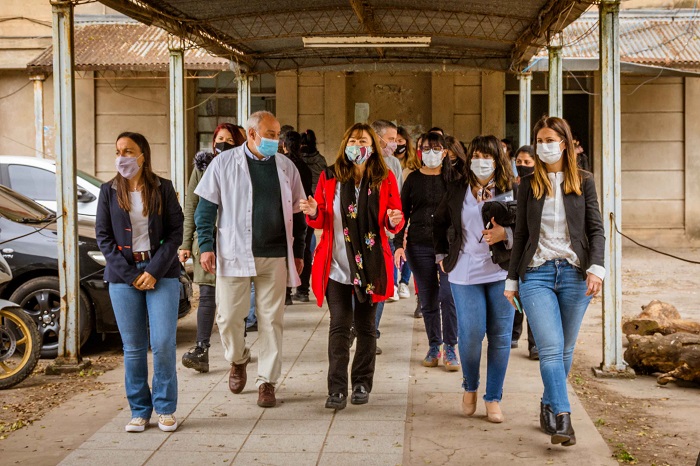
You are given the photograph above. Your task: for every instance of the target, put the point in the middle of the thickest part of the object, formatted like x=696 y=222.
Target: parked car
x=29 y=244
x=36 y=178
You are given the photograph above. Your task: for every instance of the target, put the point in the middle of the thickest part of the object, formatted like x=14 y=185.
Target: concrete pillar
x=66 y=188
x=443 y=101
x=555 y=81
x=493 y=104
x=177 y=122
x=613 y=360
x=287 y=97
x=525 y=108
x=692 y=157
x=38 y=81
x=335 y=104
x=243 y=100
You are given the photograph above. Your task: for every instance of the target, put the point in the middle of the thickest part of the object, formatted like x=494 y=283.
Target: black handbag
x=503 y=212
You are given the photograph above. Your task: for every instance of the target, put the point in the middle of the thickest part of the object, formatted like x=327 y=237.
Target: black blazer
x=447 y=227
x=113 y=230
x=582 y=216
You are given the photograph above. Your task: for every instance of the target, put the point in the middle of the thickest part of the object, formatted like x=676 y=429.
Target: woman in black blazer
x=139 y=228
x=557 y=263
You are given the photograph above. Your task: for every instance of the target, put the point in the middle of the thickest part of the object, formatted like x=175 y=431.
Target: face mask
x=483 y=168
x=400 y=149
x=268 y=147
x=549 y=153
x=223 y=146
x=432 y=158
x=128 y=167
x=358 y=154
x=514 y=166
x=524 y=171
x=389 y=149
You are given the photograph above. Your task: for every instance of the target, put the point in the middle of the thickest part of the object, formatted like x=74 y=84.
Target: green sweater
x=269 y=234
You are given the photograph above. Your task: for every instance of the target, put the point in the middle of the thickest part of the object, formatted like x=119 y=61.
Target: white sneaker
x=137 y=424
x=167 y=422
x=395 y=297
x=403 y=291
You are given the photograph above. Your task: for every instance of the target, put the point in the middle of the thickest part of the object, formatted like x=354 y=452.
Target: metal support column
x=525 y=108
x=64 y=116
x=38 y=114
x=243 y=84
x=555 y=80
x=613 y=361
x=177 y=122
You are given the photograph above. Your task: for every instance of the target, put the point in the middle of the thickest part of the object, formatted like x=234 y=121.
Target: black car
x=29 y=243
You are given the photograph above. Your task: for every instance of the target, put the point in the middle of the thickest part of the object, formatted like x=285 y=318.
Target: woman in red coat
x=356 y=199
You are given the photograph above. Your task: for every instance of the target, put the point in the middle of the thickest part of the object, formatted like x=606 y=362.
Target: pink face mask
x=128 y=167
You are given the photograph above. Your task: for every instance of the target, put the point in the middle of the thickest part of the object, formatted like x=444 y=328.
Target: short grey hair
x=255 y=119
x=380 y=126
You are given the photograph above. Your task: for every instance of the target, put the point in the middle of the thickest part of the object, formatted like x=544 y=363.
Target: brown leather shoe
x=266 y=396
x=238 y=377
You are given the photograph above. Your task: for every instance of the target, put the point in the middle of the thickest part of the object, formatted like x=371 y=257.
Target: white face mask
x=432 y=158
x=483 y=168
x=549 y=152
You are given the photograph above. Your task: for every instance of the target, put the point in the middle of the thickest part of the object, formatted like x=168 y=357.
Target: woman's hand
x=395 y=217
x=399 y=255
x=441 y=267
x=145 y=282
x=510 y=296
x=495 y=235
x=184 y=254
x=208 y=262
x=594 y=284
x=309 y=206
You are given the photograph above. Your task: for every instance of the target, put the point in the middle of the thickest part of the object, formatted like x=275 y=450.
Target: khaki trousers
x=233 y=304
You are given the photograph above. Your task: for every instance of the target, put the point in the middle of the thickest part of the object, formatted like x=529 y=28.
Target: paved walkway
x=413 y=416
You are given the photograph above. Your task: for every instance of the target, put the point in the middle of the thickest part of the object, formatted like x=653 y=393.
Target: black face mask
x=223 y=146
x=400 y=149
x=524 y=171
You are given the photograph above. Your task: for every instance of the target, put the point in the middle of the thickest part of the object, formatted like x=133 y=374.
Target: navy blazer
x=113 y=230
x=583 y=218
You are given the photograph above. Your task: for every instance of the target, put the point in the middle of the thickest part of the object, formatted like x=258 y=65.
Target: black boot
x=197 y=358
x=548 y=423
x=417 y=314
x=565 y=431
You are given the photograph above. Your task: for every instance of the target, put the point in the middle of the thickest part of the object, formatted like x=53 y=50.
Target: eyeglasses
x=435 y=148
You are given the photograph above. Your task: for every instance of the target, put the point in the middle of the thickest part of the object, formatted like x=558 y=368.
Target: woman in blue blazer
x=139 y=229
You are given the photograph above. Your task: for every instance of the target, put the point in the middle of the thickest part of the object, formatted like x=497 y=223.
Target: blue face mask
x=267 y=147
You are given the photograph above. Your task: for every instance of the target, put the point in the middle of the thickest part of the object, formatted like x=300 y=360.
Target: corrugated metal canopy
x=126 y=46
x=266 y=36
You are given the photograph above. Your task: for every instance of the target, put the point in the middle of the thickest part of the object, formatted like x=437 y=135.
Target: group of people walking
x=483 y=243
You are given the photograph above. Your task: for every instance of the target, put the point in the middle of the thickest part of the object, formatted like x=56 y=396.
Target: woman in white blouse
x=557 y=264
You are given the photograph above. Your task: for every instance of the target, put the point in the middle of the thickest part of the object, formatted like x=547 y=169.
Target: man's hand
x=395 y=217
x=184 y=254
x=208 y=262
x=299 y=263
x=145 y=282
x=309 y=206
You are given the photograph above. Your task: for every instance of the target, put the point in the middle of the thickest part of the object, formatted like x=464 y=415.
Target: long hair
x=308 y=142
x=410 y=160
x=454 y=170
x=489 y=145
x=292 y=142
x=376 y=170
x=150 y=191
x=238 y=138
x=572 y=176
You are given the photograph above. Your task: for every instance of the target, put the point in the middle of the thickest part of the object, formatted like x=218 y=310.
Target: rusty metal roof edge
x=626 y=67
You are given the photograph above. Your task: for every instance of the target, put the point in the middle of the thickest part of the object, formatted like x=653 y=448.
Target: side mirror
x=85 y=195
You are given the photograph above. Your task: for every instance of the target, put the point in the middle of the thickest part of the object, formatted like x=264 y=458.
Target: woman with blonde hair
x=559 y=245
x=356 y=199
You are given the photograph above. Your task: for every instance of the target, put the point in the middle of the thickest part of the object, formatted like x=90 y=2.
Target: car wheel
x=41 y=299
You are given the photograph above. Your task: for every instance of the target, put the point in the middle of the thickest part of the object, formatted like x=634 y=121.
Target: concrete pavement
x=413 y=416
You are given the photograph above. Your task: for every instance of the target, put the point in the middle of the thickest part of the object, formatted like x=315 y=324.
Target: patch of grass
x=600 y=422
x=623 y=456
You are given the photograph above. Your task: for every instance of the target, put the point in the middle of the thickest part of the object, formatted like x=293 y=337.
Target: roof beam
x=365 y=14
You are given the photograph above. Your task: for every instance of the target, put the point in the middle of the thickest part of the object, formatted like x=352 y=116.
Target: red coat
x=389 y=198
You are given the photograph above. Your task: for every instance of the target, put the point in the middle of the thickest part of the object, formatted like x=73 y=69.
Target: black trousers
x=344 y=309
x=518 y=330
x=206 y=313
x=308 y=258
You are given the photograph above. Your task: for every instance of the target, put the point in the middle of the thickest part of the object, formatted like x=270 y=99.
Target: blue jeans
x=380 y=306
x=554 y=299
x=405 y=273
x=251 y=319
x=434 y=294
x=483 y=310
x=137 y=312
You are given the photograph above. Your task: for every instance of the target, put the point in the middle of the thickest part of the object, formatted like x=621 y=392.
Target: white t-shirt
x=140 y=241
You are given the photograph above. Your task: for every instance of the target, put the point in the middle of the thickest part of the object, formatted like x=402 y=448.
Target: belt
x=142 y=256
